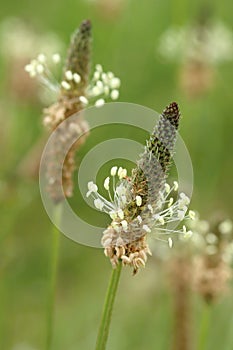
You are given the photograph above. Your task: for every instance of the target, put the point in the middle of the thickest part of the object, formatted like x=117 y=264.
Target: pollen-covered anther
x=176 y=186
x=92 y=188
x=56 y=58
x=99 y=103
x=122 y=173
x=171 y=200
x=65 y=85
x=113 y=170
x=120 y=214
x=69 y=75
x=124 y=225
x=192 y=214
x=138 y=201
x=76 y=78
x=167 y=188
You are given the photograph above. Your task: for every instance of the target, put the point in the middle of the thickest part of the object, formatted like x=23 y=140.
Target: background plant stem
x=53 y=263
x=108 y=307
x=204 y=327
x=182 y=305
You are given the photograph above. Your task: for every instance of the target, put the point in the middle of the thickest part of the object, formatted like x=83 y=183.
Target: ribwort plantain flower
x=142 y=203
x=75 y=91
x=14 y=32
x=212 y=266
x=199 y=49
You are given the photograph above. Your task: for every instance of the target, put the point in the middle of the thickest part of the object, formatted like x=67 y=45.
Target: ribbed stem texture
x=108 y=307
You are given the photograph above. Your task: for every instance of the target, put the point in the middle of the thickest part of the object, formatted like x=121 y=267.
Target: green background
x=124 y=42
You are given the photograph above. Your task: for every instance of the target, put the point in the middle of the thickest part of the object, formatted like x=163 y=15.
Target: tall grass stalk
x=52 y=278
x=182 y=305
x=204 y=327
x=108 y=307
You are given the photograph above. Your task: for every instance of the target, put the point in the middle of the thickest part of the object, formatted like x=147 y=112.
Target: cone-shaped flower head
x=142 y=203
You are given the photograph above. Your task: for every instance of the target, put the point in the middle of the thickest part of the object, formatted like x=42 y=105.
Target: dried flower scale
x=74 y=93
x=143 y=202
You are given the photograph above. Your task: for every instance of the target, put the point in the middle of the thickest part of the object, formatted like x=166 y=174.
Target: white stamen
x=110 y=75
x=113 y=215
x=188 y=234
x=41 y=58
x=100 y=102
x=181 y=214
x=138 y=201
x=99 y=68
x=176 y=186
x=69 y=75
x=56 y=58
x=120 y=214
x=40 y=68
x=184 y=198
x=161 y=220
x=65 y=85
x=170 y=242
x=106 y=183
x=114 y=94
x=99 y=204
x=106 y=90
x=100 y=84
x=226 y=227
x=122 y=173
x=115 y=83
x=84 y=100
x=146 y=228
x=96 y=75
x=167 y=188
x=124 y=224
x=171 y=200
x=77 y=78
x=91 y=188
x=192 y=215
x=113 y=170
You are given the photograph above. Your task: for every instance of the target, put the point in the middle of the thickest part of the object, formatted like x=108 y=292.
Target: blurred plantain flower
x=13 y=32
x=75 y=91
x=212 y=266
x=198 y=49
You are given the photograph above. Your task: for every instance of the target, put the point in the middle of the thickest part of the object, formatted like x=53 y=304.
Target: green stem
x=204 y=328
x=53 y=277
x=107 y=310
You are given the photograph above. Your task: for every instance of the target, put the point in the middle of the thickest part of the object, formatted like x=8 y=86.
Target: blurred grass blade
x=53 y=277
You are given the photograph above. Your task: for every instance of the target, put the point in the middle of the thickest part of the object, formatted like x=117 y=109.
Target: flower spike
x=142 y=204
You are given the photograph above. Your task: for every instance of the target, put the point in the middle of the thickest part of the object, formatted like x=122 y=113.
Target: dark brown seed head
x=172 y=113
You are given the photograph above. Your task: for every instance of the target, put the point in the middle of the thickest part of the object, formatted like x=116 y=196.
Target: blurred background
x=139 y=42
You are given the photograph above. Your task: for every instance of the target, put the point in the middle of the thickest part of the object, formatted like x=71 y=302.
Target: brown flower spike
x=75 y=91
x=69 y=103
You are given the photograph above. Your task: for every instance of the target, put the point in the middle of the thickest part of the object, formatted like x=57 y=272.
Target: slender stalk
x=182 y=305
x=204 y=327
x=108 y=307
x=53 y=263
